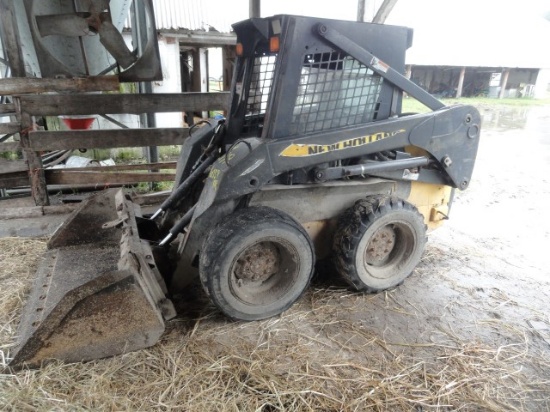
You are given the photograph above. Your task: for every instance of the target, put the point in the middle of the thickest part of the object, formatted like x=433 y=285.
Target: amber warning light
x=239 y=49
x=274 y=44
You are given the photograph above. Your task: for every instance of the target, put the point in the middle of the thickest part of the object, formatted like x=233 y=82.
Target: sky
x=501 y=33
x=452 y=32
x=409 y=10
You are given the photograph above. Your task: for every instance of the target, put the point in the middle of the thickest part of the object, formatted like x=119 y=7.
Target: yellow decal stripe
x=304 y=150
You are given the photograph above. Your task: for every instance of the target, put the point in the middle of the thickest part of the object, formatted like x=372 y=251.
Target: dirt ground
x=468 y=331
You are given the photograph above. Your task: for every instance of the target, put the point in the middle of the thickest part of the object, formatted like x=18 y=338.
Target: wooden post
x=503 y=83
x=384 y=11
x=185 y=72
x=205 y=75
x=196 y=75
x=37 y=177
x=428 y=78
x=361 y=10
x=10 y=38
x=408 y=71
x=140 y=31
x=228 y=57
x=460 y=82
x=254 y=8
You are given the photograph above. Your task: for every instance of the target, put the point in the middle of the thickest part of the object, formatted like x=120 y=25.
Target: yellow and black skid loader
x=314 y=159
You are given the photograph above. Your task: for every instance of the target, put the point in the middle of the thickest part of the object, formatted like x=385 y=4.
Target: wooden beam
x=144 y=166
x=10 y=38
x=35 y=211
x=106 y=139
x=190 y=38
x=64 y=177
x=21 y=212
x=10 y=127
x=384 y=11
x=39 y=189
x=53 y=105
x=10 y=147
x=12 y=166
x=14 y=180
x=7 y=109
x=31 y=85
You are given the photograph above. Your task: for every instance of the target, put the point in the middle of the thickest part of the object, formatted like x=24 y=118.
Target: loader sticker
x=305 y=150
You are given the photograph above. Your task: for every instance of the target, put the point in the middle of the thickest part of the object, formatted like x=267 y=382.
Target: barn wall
x=542 y=85
x=442 y=81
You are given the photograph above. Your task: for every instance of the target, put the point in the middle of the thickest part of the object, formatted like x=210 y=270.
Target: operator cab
x=324 y=89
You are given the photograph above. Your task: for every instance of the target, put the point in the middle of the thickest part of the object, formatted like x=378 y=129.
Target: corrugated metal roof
x=199 y=14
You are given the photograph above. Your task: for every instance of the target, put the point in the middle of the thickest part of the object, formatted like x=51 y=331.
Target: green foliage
x=146 y=187
x=127 y=155
x=411 y=105
x=9 y=155
x=126 y=88
x=169 y=152
x=53 y=123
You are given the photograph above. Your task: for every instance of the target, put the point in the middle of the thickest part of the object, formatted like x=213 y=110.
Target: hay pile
x=319 y=355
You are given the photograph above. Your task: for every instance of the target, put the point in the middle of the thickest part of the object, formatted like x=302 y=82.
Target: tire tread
x=351 y=226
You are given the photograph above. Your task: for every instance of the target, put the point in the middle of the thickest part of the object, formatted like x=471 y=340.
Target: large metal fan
x=97 y=20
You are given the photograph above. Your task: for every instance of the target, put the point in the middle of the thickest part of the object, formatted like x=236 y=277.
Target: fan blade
x=113 y=41
x=71 y=25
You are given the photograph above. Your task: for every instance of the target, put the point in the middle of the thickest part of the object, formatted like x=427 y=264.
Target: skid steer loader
x=315 y=160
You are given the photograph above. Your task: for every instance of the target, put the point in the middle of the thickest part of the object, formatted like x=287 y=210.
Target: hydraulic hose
x=185 y=185
x=178 y=227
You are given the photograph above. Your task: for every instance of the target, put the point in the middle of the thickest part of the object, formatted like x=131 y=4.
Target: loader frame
x=315 y=158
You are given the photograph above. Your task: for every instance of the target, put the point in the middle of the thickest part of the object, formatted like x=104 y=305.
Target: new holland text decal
x=303 y=150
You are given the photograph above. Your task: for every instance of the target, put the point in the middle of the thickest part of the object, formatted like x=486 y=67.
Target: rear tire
x=378 y=243
x=257 y=263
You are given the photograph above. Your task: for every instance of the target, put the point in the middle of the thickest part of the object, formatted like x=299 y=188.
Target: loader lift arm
x=397 y=79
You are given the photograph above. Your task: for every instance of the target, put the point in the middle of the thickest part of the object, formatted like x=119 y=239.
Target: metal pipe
x=387 y=166
x=184 y=186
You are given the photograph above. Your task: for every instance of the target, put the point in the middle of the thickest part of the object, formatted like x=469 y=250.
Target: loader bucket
x=98 y=292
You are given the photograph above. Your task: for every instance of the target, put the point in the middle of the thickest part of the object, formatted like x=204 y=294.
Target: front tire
x=257 y=263
x=379 y=242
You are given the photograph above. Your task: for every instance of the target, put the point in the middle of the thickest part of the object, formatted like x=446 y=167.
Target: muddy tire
x=257 y=263
x=378 y=243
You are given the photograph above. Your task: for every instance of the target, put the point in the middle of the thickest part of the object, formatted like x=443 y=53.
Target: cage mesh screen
x=260 y=87
x=335 y=90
